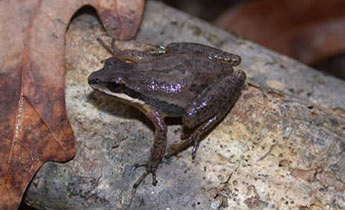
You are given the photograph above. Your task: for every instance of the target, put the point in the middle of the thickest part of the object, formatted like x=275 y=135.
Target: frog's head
x=115 y=79
x=109 y=79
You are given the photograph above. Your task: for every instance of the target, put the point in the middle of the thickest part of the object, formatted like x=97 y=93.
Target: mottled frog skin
x=187 y=80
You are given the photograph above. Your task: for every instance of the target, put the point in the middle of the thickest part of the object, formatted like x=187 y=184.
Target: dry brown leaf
x=33 y=123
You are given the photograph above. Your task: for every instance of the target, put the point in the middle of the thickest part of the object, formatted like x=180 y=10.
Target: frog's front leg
x=133 y=55
x=208 y=108
x=159 y=145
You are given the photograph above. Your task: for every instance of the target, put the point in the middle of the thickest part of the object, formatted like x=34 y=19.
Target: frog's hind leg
x=200 y=50
x=195 y=137
x=208 y=108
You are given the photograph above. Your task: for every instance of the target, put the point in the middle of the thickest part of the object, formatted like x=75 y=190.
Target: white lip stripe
x=120 y=95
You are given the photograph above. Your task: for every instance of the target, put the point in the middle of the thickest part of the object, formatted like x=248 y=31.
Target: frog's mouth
x=97 y=84
x=113 y=90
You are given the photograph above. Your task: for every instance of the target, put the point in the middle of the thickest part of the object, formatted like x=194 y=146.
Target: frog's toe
x=154 y=179
x=140 y=180
x=195 y=149
x=195 y=140
x=138 y=165
x=144 y=175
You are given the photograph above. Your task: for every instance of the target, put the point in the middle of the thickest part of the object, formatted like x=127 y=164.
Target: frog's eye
x=119 y=81
x=117 y=84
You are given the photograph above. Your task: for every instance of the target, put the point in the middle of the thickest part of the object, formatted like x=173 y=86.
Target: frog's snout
x=95 y=78
x=94 y=81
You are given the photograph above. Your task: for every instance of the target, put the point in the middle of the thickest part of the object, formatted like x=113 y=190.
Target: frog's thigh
x=214 y=99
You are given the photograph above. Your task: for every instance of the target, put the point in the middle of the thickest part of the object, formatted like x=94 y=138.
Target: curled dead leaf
x=34 y=127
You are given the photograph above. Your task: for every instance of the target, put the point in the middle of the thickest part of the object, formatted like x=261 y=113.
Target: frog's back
x=183 y=65
x=169 y=84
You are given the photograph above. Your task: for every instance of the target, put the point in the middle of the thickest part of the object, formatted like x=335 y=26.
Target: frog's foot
x=175 y=148
x=195 y=140
x=149 y=170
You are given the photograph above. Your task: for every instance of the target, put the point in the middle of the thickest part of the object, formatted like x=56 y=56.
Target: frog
x=191 y=81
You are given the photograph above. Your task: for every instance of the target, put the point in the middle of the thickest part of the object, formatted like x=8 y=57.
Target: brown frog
x=187 y=80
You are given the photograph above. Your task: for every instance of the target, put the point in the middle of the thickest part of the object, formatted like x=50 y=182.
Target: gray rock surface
x=281 y=146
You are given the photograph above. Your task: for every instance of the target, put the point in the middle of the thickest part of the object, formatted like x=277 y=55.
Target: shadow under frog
x=192 y=81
